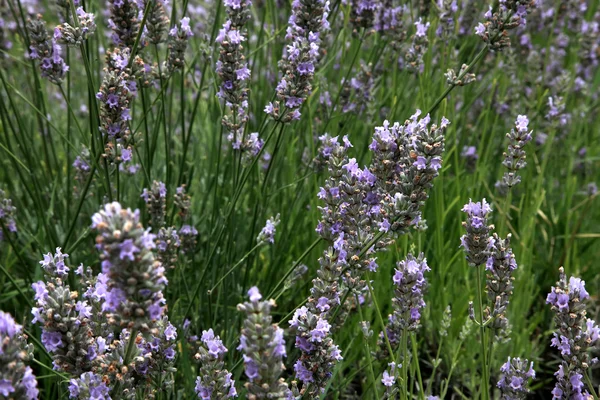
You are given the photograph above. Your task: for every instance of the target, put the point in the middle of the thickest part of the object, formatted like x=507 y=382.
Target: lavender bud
x=155 y=200
x=462 y=78
x=264 y=348
x=447 y=9
x=389 y=380
x=16 y=379
x=213 y=381
x=477 y=241
x=516 y=373
x=89 y=386
x=157 y=354
x=136 y=279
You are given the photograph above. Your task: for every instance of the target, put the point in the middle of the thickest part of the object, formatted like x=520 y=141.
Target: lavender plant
x=16 y=378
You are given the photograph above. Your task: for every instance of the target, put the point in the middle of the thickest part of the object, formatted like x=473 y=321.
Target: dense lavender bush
x=162 y=160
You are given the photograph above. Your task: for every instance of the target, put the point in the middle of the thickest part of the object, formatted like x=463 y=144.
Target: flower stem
x=484 y=370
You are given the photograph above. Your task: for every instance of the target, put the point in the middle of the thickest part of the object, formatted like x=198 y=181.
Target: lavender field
x=316 y=199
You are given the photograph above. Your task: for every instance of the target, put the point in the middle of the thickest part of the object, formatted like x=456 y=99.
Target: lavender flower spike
x=16 y=379
x=515 y=375
x=477 y=241
x=264 y=348
x=499 y=281
x=178 y=41
x=576 y=335
x=75 y=36
x=514 y=158
x=136 y=279
x=47 y=51
x=214 y=381
x=267 y=233
x=65 y=320
x=409 y=288
x=7 y=215
x=155 y=200
x=306 y=25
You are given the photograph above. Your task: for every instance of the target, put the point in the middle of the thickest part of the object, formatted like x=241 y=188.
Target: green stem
x=484 y=378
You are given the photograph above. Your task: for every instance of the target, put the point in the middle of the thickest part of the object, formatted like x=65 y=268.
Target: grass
x=551 y=216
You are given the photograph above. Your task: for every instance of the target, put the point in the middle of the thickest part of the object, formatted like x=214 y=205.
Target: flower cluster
x=157 y=354
x=124 y=22
x=116 y=94
x=182 y=201
x=89 y=386
x=47 y=51
x=363 y=209
x=188 y=235
x=264 y=348
x=389 y=22
x=168 y=244
x=447 y=9
x=179 y=36
x=157 y=21
x=16 y=378
x=82 y=165
x=7 y=215
x=234 y=73
x=75 y=36
x=477 y=242
x=409 y=288
x=509 y=15
x=413 y=57
x=155 y=200
x=362 y=14
x=499 y=280
x=319 y=353
x=514 y=158
x=462 y=78
x=136 y=278
x=388 y=380
x=357 y=93
x=516 y=373
x=213 y=381
x=306 y=25
x=576 y=335
x=267 y=233
x=66 y=333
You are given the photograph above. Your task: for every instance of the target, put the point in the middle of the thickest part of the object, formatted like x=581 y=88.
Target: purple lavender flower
x=306 y=25
x=516 y=374
x=66 y=321
x=76 y=35
x=500 y=266
x=575 y=336
x=48 y=51
x=89 y=386
x=188 y=235
x=267 y=233
x=409 y=287
x=477 y=241
x=16 y=378
x=413 y=58
x=155 y=200
x=509 y=15
x=264 y=348
x=136 y=279
x=213 y=381
x=7 y=216
x=124 y=22
x=179 y=37
x=514 y=158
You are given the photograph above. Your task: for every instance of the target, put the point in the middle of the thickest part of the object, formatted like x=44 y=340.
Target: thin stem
x=484 y=378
